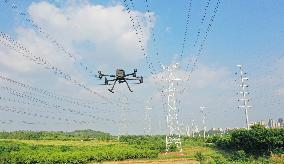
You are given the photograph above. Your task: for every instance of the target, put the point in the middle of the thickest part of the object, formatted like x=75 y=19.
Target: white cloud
x=108 y=29
x=12 y=61
x=201 y=78
x=280 y=92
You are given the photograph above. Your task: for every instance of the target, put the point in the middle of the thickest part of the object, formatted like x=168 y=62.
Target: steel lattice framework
x=123 y=128
x=147 y=128
x=173 y=136
x=244 y=94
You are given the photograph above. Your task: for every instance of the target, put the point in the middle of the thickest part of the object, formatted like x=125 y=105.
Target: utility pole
x=244 y=94
x=147 y=128
x=173 y=136
x=203 y=120
x=188 y=130
x=192 y=128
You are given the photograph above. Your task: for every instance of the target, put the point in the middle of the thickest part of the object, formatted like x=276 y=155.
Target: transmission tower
x=203 y=120
x=188 y=130
x=147 y=128
x=194 y=128
x=124 y=108
x=244 y=99
x=173 y=136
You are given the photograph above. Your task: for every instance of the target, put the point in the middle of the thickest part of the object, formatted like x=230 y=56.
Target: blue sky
x=243 y=32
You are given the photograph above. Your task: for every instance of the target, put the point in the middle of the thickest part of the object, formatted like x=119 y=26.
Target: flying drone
x=120 y=77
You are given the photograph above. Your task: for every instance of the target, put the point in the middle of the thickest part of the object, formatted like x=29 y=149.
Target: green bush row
x=147 y=142
x=258 y=141
x=44 y=135
x=13 y=152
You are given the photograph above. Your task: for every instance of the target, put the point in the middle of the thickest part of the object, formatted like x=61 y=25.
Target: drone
x=120 y=77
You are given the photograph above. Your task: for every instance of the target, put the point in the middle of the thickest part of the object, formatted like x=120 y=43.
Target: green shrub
x=24 y=153
x=147 y=142
x=199 y=156
x=239 y=155
x=258 y=141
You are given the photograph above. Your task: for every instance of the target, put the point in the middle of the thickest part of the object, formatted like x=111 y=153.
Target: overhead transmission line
x=49 y=37
x=20 y=122
x=203 y=19
x=202 y=43
x=186 y=31
x=19 y=48
x=47 y=104
x=136 y=25
x=153 y=35
x=49 y=94
x=33 y=104
x=33 y=114
x=59 y=108
x=129 y=4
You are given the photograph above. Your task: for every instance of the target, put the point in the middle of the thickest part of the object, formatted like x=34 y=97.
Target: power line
x=139 y=32
x=49 y=37
x=35 y=114
x=203 y=19
x=19 y=48
x=53 y=106
x=202 y=44
x=186 y=30
x=153 y=35
x=49 y=94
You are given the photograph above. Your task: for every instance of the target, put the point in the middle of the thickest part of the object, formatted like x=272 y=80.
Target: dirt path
x=167 y=161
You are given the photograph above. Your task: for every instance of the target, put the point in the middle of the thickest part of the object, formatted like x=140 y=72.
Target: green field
x=88 y=147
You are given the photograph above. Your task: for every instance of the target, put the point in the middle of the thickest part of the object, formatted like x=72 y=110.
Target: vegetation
x=16 y=152
x=44 y=135
x=149 y=142
x=258 y=145
x=258 y=141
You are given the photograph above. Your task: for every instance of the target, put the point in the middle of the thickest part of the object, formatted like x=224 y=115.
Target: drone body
x=120 y=77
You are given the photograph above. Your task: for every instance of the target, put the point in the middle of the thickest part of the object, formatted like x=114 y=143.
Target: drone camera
x=120 y=73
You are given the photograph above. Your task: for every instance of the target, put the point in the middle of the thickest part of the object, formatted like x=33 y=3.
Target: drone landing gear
x=111 y=90
x=128 y=86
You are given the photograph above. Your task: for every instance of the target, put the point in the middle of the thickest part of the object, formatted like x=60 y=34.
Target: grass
x=192 y=150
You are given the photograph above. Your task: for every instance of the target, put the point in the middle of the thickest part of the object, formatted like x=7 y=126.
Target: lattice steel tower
x=124 y=109
x=244 y=94
x=203 y=120
x=148 y=108
x=173 y=136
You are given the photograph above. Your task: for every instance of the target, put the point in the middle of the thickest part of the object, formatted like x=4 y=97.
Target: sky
x=80 y=37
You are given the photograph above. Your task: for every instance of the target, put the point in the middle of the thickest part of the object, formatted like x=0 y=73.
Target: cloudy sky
x=79 y=37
